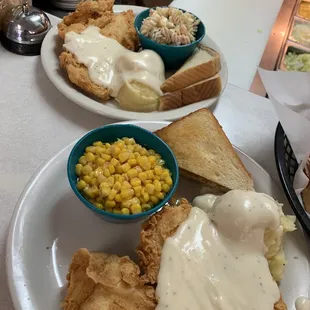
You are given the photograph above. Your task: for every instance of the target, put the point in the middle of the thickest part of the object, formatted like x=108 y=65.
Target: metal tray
x=291 y=47
x=297 y=11
x=297 y=21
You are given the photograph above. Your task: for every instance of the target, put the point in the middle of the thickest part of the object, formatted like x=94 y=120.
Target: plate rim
x=15 y=221
x=86 y=102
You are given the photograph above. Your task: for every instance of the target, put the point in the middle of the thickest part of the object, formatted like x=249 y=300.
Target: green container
x=110 y=133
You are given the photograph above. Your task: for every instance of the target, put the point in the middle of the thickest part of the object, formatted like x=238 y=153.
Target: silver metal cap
x=25 y=25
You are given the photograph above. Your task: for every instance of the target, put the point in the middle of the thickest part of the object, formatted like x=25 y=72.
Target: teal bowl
x=172 y=56
x=111 y=133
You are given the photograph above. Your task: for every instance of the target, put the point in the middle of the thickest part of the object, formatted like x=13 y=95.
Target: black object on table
x=287 y=166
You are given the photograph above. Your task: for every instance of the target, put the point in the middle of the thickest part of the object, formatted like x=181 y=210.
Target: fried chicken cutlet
x=119 y=27
x=99 y=281
x=155 y=231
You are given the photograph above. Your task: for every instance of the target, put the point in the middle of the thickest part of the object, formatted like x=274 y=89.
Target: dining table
x=36 y=121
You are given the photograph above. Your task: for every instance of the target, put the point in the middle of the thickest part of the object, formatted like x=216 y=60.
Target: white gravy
x=302 y=303
x=110 y=64
x=216 y=260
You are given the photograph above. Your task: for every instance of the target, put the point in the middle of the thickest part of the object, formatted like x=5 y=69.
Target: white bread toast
x=203 y=90
x=202 y=64
x=205 y=154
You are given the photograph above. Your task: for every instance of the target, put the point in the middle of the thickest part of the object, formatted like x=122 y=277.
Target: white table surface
x=36 y=121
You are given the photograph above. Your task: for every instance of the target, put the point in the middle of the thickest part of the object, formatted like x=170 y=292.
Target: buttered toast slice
x=203 y=90
x=205 y=154
x=202 y=64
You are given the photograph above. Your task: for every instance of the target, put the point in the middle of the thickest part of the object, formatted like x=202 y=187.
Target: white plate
x=49 y=224
x=51 y=49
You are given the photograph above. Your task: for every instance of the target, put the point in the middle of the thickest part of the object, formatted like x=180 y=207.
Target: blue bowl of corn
x=122 y=172
x=173 y=52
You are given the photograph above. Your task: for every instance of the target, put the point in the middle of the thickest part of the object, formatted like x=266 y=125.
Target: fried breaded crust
x=153 y=235
x=99 y=281
x=116 y=26
x=155 y=231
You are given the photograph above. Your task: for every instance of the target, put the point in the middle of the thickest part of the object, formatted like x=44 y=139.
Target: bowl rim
x=166 y=45
x=122 y=216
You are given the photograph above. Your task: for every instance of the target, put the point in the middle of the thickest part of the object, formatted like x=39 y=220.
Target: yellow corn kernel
x=154 y=199
x=168 y=181
x=120 y=178
x=91 y=192
x=150 y=188
x=99 y=161
x=117 y=211
x=132 y=173
x=109 y=210
x=90 y=157
x=149 y=174
x=125 y=177
x=135 y=181
x=81 y=184
x=97 y=143
x=106 y=157
x=86 y=169
x=158 y=170
x=126 y=167
x=91 y=149
x=97 y=172
x=126 y=185
x=146 y=166
x=118 y=198
x=114 y=162
x=127 y=193
x=165 y=188
x=143 y=152
x=136 y=154
x=152 y=159
x=129 y=141
x=132 y=162
x=157 y=186
x=119 y=169
x=110 y=180
x=112 y=194
x=94 y=181
x=117 y=186
x=138 y=147
x=111 y=169
x=157 y=177
x=100 y=150
x=146 y=206
x=78 y=169
x=110 y=203
x=147 y=182
x=142 y=176
x=138 y=190
x=105 y=191
x=138 y=168
x=145 y=197
x=101 y=178
x=164 y=175
x=123 y=157
x=87 y=179
x=135 y=208
x=130 y=148
x=106 y=172
x=115 y=150
x=82 y=160
x=104 y=184
x=125 y=211
x=142 y=160
x=159 y=195
x=98 y=205
x=120 y=144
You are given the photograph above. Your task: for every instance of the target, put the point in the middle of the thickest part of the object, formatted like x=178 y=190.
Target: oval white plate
x=49 y=224
x=51 y=49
